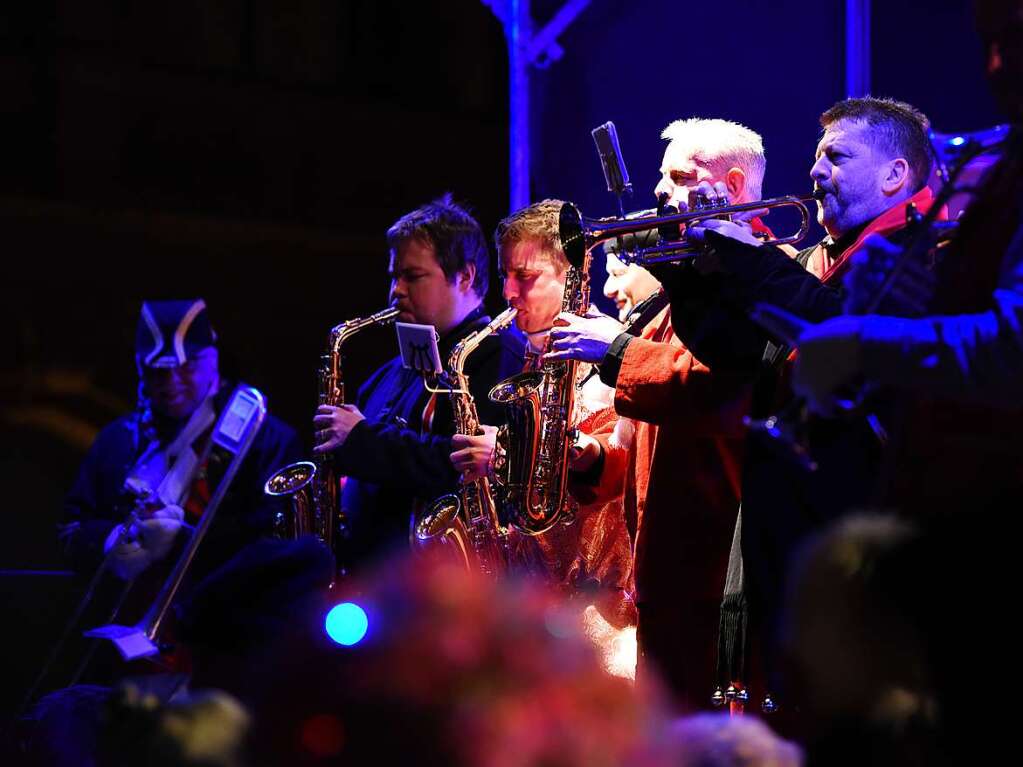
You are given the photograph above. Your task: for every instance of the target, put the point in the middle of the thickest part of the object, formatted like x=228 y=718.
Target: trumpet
x=583 y=234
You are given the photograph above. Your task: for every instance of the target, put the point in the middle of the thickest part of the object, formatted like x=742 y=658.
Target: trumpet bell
x=572 y=234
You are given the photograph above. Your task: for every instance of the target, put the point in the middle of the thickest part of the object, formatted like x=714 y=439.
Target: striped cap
x=172 y=332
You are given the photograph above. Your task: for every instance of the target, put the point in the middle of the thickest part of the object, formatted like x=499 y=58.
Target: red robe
x=673 y=456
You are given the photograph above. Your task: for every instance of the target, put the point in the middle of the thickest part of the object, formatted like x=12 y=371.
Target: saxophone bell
x=294 y=482
x=439 y=518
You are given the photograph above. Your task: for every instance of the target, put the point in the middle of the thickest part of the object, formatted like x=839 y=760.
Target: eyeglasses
x=187 y=368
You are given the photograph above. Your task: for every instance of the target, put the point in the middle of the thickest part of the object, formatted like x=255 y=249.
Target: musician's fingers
x=696 y=232
x=461 y=458
x=563 y=341
x=461 y=440
x=700 y=193
x=746 y=216
x=555 y=356
x=327 y=445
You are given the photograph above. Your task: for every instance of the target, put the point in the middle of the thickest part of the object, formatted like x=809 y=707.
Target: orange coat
x=673 y=455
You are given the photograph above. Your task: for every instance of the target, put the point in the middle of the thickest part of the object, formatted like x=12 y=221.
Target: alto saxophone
x=466 y=520
x=313 y=487
x=533 y=447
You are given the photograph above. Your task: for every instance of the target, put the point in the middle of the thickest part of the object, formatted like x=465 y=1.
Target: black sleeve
x=711 y=323
x=385 y=453
x=769 y=275
x=91 y=506
x=611 y=365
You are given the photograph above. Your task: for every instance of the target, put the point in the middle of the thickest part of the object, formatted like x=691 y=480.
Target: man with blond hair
x=594 y=553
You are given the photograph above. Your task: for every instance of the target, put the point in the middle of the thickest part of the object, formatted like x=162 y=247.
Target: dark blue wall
x=771 y=66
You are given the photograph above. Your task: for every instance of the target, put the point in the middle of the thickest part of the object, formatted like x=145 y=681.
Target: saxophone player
x=595 y=549
x=394 y=443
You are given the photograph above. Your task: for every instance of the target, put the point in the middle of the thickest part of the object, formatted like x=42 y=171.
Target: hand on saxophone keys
x=333 y=425
x=472 y=455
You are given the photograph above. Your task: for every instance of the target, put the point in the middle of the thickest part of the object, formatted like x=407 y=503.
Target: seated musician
x=394 y=442
x=151 y=460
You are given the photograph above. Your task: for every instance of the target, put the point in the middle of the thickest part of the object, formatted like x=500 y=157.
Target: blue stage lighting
x=957 y=141
x=346 y=623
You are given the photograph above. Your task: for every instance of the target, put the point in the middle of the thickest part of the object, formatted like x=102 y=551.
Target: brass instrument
x=313 y=487
x=466 y=520
x=533 y=447
x=593 y=231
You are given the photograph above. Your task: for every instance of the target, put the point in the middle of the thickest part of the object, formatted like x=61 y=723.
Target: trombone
x=580 y=235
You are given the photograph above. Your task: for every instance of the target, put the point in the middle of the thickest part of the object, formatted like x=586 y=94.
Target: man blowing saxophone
x=394 y=443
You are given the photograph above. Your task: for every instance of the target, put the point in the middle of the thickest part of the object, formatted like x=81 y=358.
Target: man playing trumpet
x=673 y=451
x=871 y=163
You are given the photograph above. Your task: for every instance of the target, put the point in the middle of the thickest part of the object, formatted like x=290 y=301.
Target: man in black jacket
x=394 y=443
x=872 y=162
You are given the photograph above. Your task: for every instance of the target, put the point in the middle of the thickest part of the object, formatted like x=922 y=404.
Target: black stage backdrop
x=253 y=152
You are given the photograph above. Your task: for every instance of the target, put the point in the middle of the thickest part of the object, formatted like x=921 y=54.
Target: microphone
x=617 y=177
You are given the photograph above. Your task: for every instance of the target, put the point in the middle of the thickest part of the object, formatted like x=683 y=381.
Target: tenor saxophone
x=466 y=522
x=533 y=446
x=313 y=488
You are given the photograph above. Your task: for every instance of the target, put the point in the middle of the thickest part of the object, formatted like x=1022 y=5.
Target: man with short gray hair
x=713 y=151
x=673 y=452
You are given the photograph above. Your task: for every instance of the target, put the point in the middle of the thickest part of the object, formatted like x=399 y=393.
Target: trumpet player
x=152 y=459
x=967 y=353
x=394 y=443
x=872 y=161
x=673 y=451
